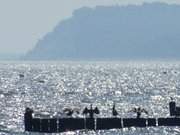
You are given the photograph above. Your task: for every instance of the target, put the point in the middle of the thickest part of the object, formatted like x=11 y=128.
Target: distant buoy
x=164 y=72
x=21 y=75
x=41 y=81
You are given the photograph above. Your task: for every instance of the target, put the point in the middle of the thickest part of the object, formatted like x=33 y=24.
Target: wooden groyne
x=56 y=125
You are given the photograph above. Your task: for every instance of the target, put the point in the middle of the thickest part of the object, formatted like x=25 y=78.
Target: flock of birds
x=91 y=111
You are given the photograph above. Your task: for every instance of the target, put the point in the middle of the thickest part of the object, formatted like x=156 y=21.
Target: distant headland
x=116 y=32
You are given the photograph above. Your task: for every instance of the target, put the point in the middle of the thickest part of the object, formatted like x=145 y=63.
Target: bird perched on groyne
x=114 y=111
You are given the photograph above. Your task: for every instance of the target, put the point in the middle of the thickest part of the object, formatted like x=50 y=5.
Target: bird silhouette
x=139 y=111
x=96 y=110
x=91 y=111
x=85 y=111
x=114 y=111
x=68 y=111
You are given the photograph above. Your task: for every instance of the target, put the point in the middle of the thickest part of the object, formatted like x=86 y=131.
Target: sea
x=48 y=87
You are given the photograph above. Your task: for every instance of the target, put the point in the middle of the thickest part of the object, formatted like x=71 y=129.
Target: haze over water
x=51 y=86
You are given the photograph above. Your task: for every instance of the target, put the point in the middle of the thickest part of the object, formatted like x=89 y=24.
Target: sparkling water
x=51 y=86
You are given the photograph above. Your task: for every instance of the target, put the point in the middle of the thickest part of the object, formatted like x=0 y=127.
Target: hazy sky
x=24 y=22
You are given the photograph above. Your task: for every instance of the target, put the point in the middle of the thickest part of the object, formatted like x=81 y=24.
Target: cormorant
x=91 y=111
x=139 y=111
x=114 y=111
x=96 y=110
x=68 y=111
x=85 y=111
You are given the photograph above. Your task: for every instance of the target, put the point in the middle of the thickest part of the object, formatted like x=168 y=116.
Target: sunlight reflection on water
x=49 y=87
